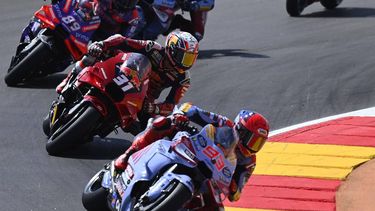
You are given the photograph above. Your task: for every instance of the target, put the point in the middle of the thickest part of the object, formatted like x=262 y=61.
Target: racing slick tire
x=46 y=125
x=26 y=66
x=173 y=199
x=295 y=7
x=94 y=196
x=330 y=4
x=75 y=131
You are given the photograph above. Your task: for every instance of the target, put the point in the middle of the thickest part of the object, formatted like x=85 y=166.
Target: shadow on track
x=350 y=12
x=99 y=149
x=217 y=53
x=48 y=82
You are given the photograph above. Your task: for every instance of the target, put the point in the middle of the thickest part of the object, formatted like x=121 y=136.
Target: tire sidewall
x=95 y=199
x=28 y=65
x=295 y=7
x=74 y=131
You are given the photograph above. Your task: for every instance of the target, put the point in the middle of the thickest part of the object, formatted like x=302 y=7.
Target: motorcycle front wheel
x=330 y=4
x=295 y=7
x=94 y=196
x=75 y=131
x=173 y=199
x=26 y=66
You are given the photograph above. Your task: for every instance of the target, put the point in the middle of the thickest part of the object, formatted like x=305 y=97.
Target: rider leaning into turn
x=170 y=65
x=250 y=127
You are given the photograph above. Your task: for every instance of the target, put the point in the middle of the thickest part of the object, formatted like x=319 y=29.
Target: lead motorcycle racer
x=250 y=127
x=170 y=65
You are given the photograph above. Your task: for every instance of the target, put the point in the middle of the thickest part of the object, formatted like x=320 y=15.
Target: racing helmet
x=252 y=129
x=122 y=5
x=85 y=9
x=181 y=49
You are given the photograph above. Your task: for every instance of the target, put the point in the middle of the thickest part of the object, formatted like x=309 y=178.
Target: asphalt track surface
x=253 y=56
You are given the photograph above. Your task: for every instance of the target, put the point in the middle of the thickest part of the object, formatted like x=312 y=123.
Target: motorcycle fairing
x=77 y=31
x=148 y=163
x=205 y=147
x=102 y=76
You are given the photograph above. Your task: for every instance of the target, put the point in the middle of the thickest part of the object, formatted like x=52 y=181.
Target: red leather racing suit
x=162 y=76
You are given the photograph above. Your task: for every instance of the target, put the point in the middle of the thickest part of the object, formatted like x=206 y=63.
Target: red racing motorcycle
x=102 y=97
x=295 y=7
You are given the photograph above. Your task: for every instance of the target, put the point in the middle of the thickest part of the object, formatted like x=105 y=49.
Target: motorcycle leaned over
x=57 y=35
x=295 y=7
x=167 y=174
x=102 y=97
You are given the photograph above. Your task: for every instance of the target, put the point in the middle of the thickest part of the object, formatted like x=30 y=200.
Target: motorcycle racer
x=117 y=17
x=198 y=17
x=170 y=65
x=250 y=127
x=161 y=19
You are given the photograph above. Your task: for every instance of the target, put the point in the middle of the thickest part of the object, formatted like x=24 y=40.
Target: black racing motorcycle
x=295 y=7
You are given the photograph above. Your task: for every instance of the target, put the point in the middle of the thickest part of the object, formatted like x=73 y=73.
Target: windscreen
x=138 y=62
x=226 y=139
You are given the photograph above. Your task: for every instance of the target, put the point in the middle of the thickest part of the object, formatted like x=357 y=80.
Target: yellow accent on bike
x=185 y=107
x=210 y=131
x=54 y=114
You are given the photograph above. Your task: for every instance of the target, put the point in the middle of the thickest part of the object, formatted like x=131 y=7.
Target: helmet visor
x=185 y=59
x=252 y=142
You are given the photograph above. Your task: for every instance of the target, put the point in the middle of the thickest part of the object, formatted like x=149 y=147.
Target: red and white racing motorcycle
x=295 y=7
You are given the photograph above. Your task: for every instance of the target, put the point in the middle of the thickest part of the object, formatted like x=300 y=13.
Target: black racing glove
x=96 y=49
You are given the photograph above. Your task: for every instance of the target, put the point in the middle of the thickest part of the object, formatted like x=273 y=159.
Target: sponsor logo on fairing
x=202 y=141
x=226 y=172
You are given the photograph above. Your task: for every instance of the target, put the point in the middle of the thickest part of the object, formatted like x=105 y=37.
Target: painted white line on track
x=362 y=112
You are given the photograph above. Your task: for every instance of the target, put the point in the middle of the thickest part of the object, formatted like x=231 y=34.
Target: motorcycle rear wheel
x=295 y=7
x=94 y=196
x=74 y=132
x=21 y=70
x=330 y=4
x=173 y=199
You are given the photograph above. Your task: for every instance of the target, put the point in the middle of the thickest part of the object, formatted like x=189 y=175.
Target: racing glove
x=235 y=193
x=181 y=121
x=150 y=108
x=239 y=180
x=95 y=49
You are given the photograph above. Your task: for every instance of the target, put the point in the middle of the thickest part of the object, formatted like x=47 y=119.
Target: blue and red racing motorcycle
x=295 y=7
x=57 y=35
x=166 y=175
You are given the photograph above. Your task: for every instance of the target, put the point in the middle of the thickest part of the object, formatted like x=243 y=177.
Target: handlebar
x=191 y=129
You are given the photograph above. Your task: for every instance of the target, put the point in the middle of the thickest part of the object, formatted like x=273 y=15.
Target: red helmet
x=252 y=129
x=181 y=49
